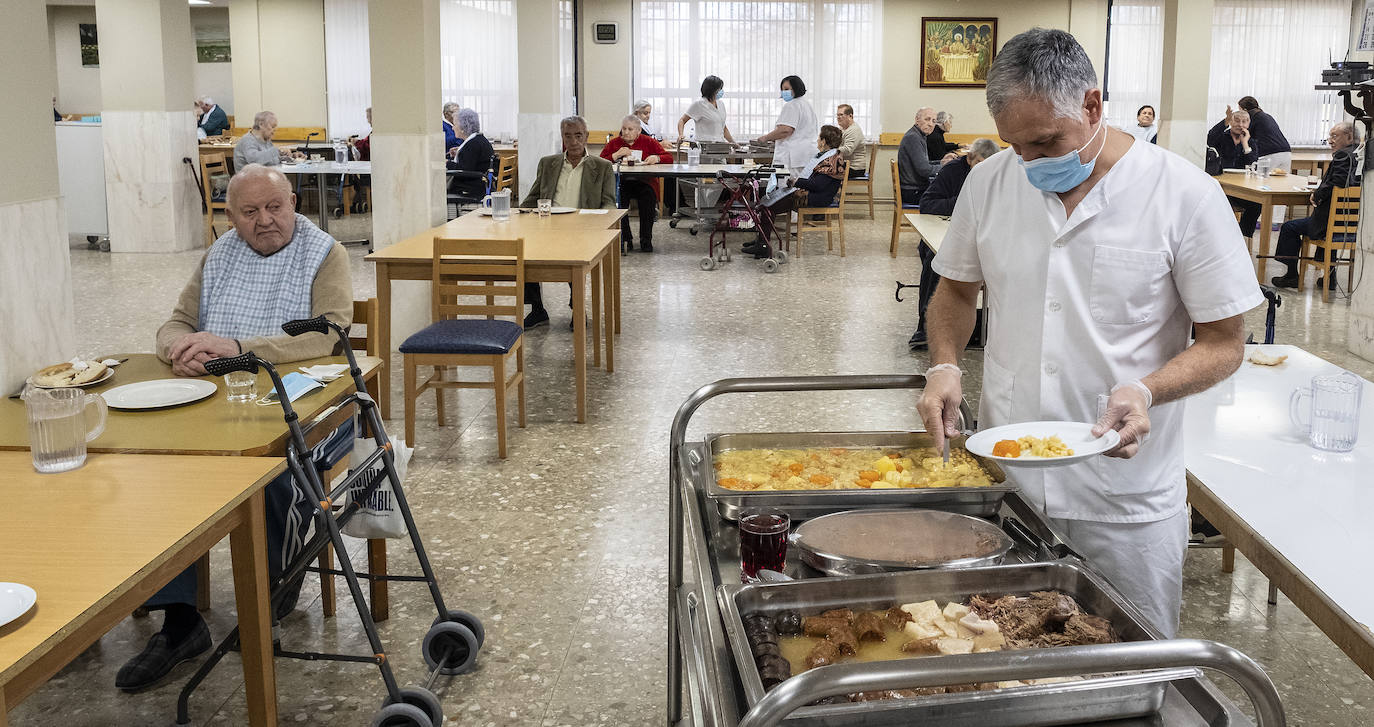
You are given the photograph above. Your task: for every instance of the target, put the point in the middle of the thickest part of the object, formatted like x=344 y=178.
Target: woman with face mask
x=796 y=129
x=707 y=113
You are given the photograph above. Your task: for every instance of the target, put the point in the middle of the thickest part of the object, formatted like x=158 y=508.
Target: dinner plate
x=1077 y=435
x=15 y=600
x=158 y=394
x=109 y=371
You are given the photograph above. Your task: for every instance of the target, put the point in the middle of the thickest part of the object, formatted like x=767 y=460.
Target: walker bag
x=380 y=517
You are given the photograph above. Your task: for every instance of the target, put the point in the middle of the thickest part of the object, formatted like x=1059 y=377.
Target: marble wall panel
x=408 y=198
x=153 y=202
x=36 y=310
x=1360 y=339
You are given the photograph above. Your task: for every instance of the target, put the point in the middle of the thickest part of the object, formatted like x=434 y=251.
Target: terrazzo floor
x=561 y=549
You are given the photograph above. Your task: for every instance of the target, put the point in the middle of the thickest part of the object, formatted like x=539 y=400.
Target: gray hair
x=1240 y=112
x=633 y=118
x=943 y=118
x=261 y=117
x=206 y=100
x=1044 y=64
x=983 y=148
x=468 y=122
x=255 y=172
x=640 y=105
x=921 y=111
x=573 y=121
x=1352 y=129
x=449 y=108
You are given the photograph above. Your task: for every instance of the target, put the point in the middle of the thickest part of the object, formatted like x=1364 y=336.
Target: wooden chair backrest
x=844 y=184
x=601 y=137
x=505 y=173
x=1344 y=217
x=890 y=138
x=211 y=166
x=896 y=185
x=966 y=139
x=489 y=269
x=364 y=314
x=289 y=133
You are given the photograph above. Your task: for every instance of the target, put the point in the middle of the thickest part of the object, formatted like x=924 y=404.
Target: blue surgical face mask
x=1062 y=173
x=786 y=95
x=720 y=94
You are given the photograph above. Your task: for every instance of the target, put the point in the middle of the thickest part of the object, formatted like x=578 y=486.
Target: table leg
x=615 y=273
x=1266 y=223
x=383 y=324
x=376 y=565
x=579 y=313
x=596 y=314
x=324 y=197
x=612 y=308
x=4 y=712
x=248 y=548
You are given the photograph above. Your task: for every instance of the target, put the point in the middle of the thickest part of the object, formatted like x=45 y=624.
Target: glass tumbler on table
x=58 y=430
x=242 y=385
x=545 y=207
x=762 y=542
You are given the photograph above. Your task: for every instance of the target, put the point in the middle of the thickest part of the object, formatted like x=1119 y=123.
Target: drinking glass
x=499 y=204
x=58 y=431
x=1264 y=166
x=636 y=156
x=545 y=207
x=762 y=542
x=1332 y=420
x=242 y=385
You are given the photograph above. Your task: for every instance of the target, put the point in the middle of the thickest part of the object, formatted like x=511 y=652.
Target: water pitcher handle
x=104 y=410
x=486 y=202
x=1295 y=410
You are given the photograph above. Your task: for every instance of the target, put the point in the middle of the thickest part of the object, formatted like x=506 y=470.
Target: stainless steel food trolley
x=703 y=557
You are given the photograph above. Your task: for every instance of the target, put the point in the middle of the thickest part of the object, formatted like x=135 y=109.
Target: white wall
x=78 y=88
x=278 y=64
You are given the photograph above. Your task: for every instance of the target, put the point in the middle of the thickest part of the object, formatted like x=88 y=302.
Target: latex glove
x=939 y=403
x=1127 y=413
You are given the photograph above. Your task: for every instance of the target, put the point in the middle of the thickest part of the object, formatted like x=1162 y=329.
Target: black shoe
x=1330 y=284
x=536 y=318
x=646 y=246
x=1289 y=280
x=917 y=340
x=160 y=657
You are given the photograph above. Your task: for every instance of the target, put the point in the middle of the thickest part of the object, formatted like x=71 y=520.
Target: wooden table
x=1297 y=513
x=97 y=542
x=1267 y=191
x=558 y=249
x=1316 y=160
x=931 y=228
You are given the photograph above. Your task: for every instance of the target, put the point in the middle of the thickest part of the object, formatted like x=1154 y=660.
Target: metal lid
x=875 y=541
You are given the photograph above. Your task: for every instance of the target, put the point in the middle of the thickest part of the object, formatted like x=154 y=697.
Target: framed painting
x=957 y=52
x=90 y=45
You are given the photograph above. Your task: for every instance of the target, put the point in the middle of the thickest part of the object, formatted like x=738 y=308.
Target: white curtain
x=347 y=67
x=477 y=48
x=834 y=47
x=1273 y=50
x=567 y=61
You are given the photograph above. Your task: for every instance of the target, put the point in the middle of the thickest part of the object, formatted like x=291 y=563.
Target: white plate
x=159 y=394
x=109 y=371
x=1078 y=435
x=563 y=210
x=15 y=600
x=1230 y=170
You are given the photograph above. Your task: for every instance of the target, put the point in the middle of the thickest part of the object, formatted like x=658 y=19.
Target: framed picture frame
x=957 y=52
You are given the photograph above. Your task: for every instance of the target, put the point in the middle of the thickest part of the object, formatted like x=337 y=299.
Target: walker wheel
x=473 y=623
x=450 y=647
x=423 y=699
x=781 y=256
x=693 y=230
x=401 y=715
x=337 y=213
x=770 y=265
x=707 y=263
x=673 y=223
x=104 y=245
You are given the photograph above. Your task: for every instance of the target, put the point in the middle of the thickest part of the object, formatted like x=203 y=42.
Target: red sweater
x=648 y=147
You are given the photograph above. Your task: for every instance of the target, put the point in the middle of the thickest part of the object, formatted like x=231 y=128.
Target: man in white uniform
x=1097 y=252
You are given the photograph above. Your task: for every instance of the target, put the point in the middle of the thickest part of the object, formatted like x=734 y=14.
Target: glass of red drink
x=762 y=542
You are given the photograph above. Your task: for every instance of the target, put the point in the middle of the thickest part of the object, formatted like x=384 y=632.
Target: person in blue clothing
x=213 y=120
x=451 y=138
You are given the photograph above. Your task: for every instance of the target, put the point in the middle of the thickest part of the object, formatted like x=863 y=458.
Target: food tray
x=804 y=504
x=836 y=552
x=1093 y=698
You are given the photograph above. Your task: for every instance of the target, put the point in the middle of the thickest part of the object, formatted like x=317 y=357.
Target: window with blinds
x=1273 y=50
x=834 y=47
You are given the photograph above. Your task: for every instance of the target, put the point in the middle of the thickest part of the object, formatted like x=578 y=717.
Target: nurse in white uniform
x=794 y=134
x=1098 y=252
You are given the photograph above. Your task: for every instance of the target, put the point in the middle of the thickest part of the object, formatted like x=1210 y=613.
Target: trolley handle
x=318 y=324
x=242 y=362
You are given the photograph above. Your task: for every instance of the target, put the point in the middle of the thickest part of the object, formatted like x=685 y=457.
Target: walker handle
x=242 y=362
x=318 y=324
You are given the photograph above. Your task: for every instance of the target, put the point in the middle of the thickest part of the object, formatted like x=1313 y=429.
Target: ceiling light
x=198 y=2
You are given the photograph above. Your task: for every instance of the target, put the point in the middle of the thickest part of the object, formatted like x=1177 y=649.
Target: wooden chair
x=832 y=218
x=213 y=169
x=899 y=210
x=1341 y=224
x=863 y=186
x=498 y=272
x=505 y=175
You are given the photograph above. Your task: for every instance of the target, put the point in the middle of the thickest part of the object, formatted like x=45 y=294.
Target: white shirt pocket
x=994 y=407
x=1126 y=284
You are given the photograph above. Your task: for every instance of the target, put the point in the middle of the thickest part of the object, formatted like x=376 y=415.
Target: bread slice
x=93 y=371
x=1263 y=359
x=55 y=375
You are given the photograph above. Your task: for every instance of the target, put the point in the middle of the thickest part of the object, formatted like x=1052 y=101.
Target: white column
x=407 y=142
x=1360 y=340
x=35 y=266
x=149 y=126
x=540 y=97
x=1187 y=66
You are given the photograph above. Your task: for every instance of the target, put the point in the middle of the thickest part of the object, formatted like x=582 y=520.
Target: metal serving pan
x=804 y=504
x=1092 y=698
x=852 y=543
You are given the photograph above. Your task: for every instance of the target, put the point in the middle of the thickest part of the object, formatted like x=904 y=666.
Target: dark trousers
x=858 y=173
x=912 y=195
x=534 y=297
x=279 y=495
x=1249 y=215
x=1290 y=243
x=929 y=279
x=635 y=189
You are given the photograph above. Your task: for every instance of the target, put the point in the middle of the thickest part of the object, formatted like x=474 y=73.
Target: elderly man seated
x=1343 y=172
x=1235 y=150
x=256 y=146
x=213 y=120
x=272 y=267
x=569 y=179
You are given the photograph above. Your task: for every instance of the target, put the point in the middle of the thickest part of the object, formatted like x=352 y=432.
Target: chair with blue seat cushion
x=899 y=210
x=862 y=185
x=1342 y=221
x=484 y=278
x=831 y=218
x=214 y=180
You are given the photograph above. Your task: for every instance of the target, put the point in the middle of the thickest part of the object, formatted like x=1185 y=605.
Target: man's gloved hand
x=1128 y=413
x=939 y=403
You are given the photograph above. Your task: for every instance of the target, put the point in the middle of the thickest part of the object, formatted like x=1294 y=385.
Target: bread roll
x=93 y=371
x=55 y=375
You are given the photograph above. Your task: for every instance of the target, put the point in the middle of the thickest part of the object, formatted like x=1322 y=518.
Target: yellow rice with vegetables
x=843 y=469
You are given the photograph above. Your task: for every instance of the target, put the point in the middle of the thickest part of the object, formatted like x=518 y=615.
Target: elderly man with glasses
x=1344 y=171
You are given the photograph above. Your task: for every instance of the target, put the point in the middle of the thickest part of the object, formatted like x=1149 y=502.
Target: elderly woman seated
x=821 y=178
x=468 y=169
x=633 y=145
